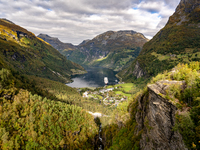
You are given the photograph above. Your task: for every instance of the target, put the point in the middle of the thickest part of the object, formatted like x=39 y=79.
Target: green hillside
x=145 y=113
x=31 y=121
x=22 y=51
x=178 y=41
x=114 y=50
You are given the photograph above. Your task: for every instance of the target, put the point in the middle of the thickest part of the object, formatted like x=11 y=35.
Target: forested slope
x=177 y=42
x=23 y=52
x=164 y=115
x=30 y=121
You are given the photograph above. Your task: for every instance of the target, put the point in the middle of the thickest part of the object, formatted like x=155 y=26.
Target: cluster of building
x=106 y=99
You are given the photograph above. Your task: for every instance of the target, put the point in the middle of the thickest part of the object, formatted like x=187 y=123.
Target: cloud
x=152 y=7
x=73 y=21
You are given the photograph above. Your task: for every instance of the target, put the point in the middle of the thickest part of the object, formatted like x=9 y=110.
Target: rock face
x=186 y=11
x=156 y=117
x=161 y=86
x=138 y=72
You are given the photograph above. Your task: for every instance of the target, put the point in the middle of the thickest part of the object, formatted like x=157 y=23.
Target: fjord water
x=94 y=78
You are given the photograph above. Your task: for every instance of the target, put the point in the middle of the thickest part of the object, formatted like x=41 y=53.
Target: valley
x=53 y=95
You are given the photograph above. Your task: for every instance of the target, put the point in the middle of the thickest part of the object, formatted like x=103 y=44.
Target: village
x=109 y=95
x=106 y=96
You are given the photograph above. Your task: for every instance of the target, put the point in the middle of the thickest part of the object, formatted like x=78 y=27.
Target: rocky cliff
x=138 y=72
x=156 y=117
x=163 y=116
x=177 y=42
x=186 y=12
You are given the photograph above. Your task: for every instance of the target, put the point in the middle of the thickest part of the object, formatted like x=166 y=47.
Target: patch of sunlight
x=102 y=58
x=43 y=40
x=160 y=56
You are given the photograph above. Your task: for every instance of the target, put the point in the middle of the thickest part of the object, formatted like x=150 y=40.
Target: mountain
x=177 y=42
x=23 y=52
x=56 y=43
x=111 y=49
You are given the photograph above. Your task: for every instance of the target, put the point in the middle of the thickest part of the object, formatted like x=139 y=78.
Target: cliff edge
x=156 y=117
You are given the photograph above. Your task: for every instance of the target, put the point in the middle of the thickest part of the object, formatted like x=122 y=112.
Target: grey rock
x=156 y=117
x=138 y=71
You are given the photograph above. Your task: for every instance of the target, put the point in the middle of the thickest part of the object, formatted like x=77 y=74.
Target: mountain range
x=114 y=50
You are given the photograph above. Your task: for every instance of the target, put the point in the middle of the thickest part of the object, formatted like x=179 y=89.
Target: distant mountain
x=56 y=43
x=25 y=53
x=111 y=49
x=178 y=41
x=84 y=42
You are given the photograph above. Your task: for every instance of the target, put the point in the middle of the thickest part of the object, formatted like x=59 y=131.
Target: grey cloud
x=76 y=20
x=162 y=22
x=170 y=3
x=112 y=4
x=154 y=6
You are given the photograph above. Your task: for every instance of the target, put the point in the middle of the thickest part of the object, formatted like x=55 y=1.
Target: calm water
x=94 y=78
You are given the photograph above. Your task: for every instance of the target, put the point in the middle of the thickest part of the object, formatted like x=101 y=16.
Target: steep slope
x=168 y=110
x=23 y=52
x=178 y=41
x=31 y=121
x=164 y=115
x=111 y=49
x=57 y=44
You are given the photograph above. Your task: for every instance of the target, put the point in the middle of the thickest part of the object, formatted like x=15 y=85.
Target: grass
x=97 y=96
x=124 y=61
x=160 y=56
x=127 y=89
x=127 y=86
x=122 y=93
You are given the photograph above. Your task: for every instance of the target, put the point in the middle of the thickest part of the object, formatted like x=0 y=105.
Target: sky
x=73 y=21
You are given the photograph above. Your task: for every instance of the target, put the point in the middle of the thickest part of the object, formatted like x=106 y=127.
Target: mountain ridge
x=22 y=51
x=56 y=43
x=111 y=49
x=177 y=42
